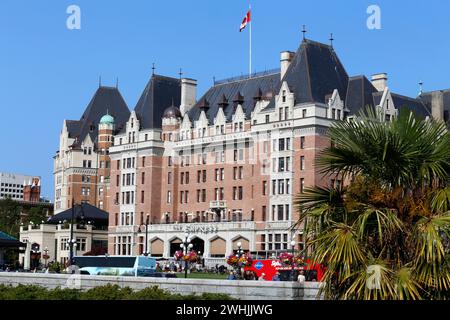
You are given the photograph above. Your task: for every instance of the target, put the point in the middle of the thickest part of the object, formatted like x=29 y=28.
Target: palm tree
x=385 y=234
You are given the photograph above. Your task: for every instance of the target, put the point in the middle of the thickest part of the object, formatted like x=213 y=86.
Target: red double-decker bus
x=313 y=272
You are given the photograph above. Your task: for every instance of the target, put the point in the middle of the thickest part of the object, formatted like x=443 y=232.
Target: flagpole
x=251 y=19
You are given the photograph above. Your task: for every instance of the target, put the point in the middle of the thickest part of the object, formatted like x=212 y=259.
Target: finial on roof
x=99 y=81
x=153 y=69
x=117 y=83
x=180 y=73
x=304 y=32
x=420 y=87
x=214 y=80
x=331 y=40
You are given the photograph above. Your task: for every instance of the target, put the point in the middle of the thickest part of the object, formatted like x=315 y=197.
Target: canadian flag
x=246 y=20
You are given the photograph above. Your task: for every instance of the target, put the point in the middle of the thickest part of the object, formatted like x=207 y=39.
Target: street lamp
x=240 y=252
x=292 y=264
x=146 y=252
x=186 y=246
x=72 y=241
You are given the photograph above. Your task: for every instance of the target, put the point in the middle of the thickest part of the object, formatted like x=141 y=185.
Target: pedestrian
x=301 y=277
x=261 y=278
x=231 y=276
x=276 y=277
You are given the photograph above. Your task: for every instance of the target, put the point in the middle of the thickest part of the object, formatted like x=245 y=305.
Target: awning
x=6 y=241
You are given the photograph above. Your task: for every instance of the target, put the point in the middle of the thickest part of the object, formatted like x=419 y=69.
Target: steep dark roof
x=73 y=127
x=315 y=72
x=415 y=105
x=157 y=96
x=247 y=88
x=359 y=94
x=105 y=100
x=86 y=211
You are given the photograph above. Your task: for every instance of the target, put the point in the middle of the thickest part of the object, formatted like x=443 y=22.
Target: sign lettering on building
x=196 y=228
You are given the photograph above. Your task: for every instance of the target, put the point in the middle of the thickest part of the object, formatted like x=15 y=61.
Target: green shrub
x=64 y=294
x=108 y=292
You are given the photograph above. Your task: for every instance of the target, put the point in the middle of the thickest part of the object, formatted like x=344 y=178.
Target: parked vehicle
x=313 y=272
x=140 y=266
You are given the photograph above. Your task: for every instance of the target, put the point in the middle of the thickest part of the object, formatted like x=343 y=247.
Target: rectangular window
x=280 y=212
x=169 y=178
x=281 y=165
x=286 y=113
x=169 y=197
x=280 y=186
x=302 y=185
x=143 y=178
x=199 y=174
x=304 y=113
x=264 y=188
x=142 y=196
x=182 y=178
x=241 y=193
x=169 y=160
x=267 y=118
x=302 y=163
x=143 y=162
x=204 y=175
x=302 y=142
x=281 y=144
x=274 y=187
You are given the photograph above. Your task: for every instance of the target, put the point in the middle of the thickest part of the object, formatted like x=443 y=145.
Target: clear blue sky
x=49 y=73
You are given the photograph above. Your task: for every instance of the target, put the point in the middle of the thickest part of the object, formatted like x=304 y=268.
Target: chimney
x=380 y=81
x=188 y=95
x=437 y=105
x=286 y=58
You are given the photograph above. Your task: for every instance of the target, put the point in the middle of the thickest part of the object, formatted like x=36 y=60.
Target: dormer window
x=284 y=96
x=132 y=123
x=91 y=127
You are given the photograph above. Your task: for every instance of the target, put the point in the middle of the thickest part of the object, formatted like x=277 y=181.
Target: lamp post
x=147 y=222
x=186 y=246
x=72 y=241
x=239 y=255
x=292 y=264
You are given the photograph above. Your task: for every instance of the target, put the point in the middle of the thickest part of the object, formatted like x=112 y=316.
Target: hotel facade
x=224 y=168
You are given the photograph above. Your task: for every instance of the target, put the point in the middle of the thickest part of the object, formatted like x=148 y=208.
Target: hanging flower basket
x=233 y=260
x=45 y=257
x=286 y=258
x=246 y=260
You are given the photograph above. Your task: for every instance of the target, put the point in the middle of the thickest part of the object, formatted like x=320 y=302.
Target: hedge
x=108 y=292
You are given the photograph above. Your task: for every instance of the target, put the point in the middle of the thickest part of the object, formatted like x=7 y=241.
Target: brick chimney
x=285 y=61
x=380 y=81
x=188 y=95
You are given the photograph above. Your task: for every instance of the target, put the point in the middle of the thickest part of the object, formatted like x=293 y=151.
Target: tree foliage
x=385 y=235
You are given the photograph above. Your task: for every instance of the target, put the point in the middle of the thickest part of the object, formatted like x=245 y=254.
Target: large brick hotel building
x=225 y=168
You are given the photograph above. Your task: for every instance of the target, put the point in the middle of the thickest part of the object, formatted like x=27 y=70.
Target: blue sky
x=49 y=73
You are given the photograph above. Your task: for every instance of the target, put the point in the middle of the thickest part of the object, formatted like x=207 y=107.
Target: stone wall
x=244 y=290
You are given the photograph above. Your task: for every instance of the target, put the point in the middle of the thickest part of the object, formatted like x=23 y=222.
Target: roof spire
x=304 y=32
x=117 y=83
x=100 y=81
x=421 y=87
x=331 y=40
x=153 y=69
x=180 y=73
